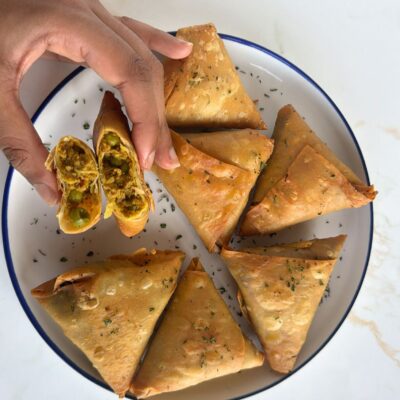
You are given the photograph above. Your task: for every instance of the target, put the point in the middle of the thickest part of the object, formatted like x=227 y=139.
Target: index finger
x=87 y=40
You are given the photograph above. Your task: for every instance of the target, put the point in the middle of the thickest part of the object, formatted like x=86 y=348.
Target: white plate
x=33 y=248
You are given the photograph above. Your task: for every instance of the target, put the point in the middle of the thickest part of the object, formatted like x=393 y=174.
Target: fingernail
x=149 y=160
x=173 y=158
x=47 y=193
x=190 y=44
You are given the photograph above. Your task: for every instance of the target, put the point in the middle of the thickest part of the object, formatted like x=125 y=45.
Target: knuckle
x=140 y=69
x=126 y=20
x=15 y=152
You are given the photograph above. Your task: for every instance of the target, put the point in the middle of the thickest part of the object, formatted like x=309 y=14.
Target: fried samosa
x=128 y=196
x=197 y=340
x=78 y=180
x=279 y=290
x=303 y=180
x=204 y=89
x=213 y=192
x=109 y=309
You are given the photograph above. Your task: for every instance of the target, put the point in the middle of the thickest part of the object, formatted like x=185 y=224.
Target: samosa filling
x=78 y=175
x=120 y=180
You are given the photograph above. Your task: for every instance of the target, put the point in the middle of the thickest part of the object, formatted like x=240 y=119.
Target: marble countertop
x=352 y=50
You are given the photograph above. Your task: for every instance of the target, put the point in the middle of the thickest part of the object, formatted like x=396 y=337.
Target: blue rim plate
x=6 y=243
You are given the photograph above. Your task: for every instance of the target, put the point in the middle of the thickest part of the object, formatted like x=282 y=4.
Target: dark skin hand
x=119 y=49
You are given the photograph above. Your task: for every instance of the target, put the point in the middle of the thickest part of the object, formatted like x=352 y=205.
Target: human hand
x=118 y=49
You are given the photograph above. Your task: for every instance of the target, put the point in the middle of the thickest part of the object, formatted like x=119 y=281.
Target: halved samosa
x=213 y=192
x=303 y=180
x=204 y=89
x=109 y=309
x=197 y=340
x=128 y=196
x=78 y=181
x=280 y=288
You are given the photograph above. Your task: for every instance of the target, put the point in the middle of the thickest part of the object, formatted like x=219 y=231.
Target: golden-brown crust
x=211 y=193
x=112 y=119
x=204 y=90
x=91 y=203
x=109 y=309
x=280 y=295
x=303 y=180
x=197 y=340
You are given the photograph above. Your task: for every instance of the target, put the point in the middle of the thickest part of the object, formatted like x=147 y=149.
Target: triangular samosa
x=213 y=192
x=303 y=179
x=204 y=89
x=197 y=340
x=280 y=288
x=109 y=309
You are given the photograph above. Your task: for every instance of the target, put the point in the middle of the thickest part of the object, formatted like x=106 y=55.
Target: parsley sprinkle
x=63 y=259
x=107 y=321
x=163 y=225
x=89 y=254
x=194 y=247
x=151 y=309
x=178 y=237
x=86 y=125
x=172 y=207
x=42 y=252
x=222 y=290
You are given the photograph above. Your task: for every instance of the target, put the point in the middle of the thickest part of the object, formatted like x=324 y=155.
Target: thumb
x=22 y=146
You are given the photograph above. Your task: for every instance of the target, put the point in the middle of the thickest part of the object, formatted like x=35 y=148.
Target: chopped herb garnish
x=90 y=254
x=76 y=101
x=34 y=260
x=151 y=309
x=178 y=237
x=86 y=125
x=63 y=259
x=172 y=207
x=266 y=95
x=35 y=221
x=42 y=252
x=273 y=90
x=163 y=225
x=107 y=321
x=194 y=247
x=210 y=339
x=222 y=290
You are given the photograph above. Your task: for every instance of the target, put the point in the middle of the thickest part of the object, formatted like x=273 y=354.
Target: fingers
x=165 y=155
x=157 y=40
x=162 y=150
x=24 y=149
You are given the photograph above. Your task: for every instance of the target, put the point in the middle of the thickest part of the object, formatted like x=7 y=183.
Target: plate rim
x=7 y=250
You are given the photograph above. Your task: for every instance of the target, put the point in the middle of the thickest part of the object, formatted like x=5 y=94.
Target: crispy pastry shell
x=280 y=288
x=303 y=180
x=197 y=340
x=111 y=119
x=210 y=192
x=109 y=309
x=204 y=90
x=83 y=178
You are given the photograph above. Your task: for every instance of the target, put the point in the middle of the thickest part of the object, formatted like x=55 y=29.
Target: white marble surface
x=352 y=50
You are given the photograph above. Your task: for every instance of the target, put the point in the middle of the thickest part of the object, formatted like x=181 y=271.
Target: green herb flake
x=178 y=237
x=163 y=225
x=86 y=126
x=151 y=309
x=107 y=321
x=63 y=259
